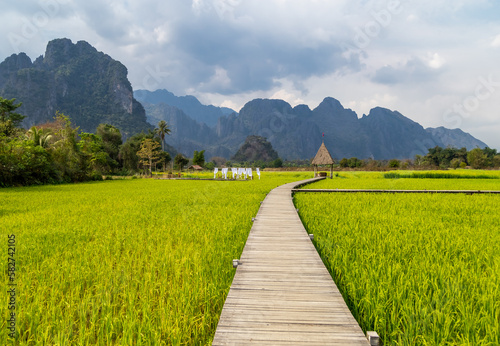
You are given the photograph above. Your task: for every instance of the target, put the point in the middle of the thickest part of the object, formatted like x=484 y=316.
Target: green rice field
x=376 y=180
x=149 y=262
x=128 y=262
x=419 y=269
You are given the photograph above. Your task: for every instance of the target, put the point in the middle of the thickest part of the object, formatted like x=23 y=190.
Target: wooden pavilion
x=322 y=158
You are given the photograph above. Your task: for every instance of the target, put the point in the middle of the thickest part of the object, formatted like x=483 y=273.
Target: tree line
x=57 y=152
x=437 y=157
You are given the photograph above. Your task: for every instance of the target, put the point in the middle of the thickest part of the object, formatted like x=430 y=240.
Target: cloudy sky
x=436 y=62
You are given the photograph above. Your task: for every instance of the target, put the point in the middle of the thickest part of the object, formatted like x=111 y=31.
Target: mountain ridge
x=296 y=132
x=92 y=88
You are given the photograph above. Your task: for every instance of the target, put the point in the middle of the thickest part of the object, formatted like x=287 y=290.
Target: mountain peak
x=385 y=114
x=15 y=62
x=268 y=103
x=86 y=85
x=331 y=103
x=332 y=107
x=60 y=50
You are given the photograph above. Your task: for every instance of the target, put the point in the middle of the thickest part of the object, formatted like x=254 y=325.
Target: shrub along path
x=282 y=293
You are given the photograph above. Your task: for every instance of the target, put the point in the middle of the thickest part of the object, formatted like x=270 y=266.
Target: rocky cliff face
x=296 y=133
x=389 y=134
x=290 y=130
x=77 y=80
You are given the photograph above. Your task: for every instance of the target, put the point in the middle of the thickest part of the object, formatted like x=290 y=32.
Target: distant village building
x=195 y=168
x=322 y=158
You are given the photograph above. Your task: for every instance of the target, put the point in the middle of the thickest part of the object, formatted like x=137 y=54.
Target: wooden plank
x=282 y=294
x=233 y=336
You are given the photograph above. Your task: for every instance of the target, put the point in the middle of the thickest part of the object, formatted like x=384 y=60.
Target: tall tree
x=180 y=161
x=9 y=119
x=40 y=137
x=65 y=150
x=128 y=151
x=95 y=160
x=477 y=158
x=164 y=159
x=199 y=158
x=111 y=139
x=162 y=130
x=149 y=153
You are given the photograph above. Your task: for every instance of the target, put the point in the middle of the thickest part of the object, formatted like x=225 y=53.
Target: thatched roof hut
x=323 y=158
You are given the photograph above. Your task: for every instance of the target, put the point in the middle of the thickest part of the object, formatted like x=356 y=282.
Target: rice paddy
x=434 y=180
x=148 y=262
x=418 y=269
x=129 y=262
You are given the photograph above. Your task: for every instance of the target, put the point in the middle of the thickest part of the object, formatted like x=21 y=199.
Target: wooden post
x=315 y=170
x=331 y=171
x=373 y=338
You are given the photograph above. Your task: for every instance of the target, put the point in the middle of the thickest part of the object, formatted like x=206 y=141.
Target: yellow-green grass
x=376 y=180
x=418 y=269
x=125 y=262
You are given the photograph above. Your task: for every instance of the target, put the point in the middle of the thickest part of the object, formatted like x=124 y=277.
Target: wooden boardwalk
x=282 y=294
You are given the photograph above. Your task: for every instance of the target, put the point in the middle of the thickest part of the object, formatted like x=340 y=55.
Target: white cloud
x=412 y=18
x=161 y=34
x=435 y=61
x=219 y=80
x=288 y=97
x=230 y=104
x=364 y=105
x=496 y=42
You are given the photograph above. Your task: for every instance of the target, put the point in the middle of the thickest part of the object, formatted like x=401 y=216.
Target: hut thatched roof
x=323 y=157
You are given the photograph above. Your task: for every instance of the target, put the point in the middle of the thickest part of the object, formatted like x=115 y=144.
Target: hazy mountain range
x=92 y=88
x=297 y=132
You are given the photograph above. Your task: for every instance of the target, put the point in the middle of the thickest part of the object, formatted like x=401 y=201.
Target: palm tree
x=39 y=137
x=162 y=130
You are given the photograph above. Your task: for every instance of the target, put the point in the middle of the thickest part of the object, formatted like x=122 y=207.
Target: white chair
x=249 y=173
x=215 y=171
x=258 y=172
x=224 y=172
x=235 y=172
